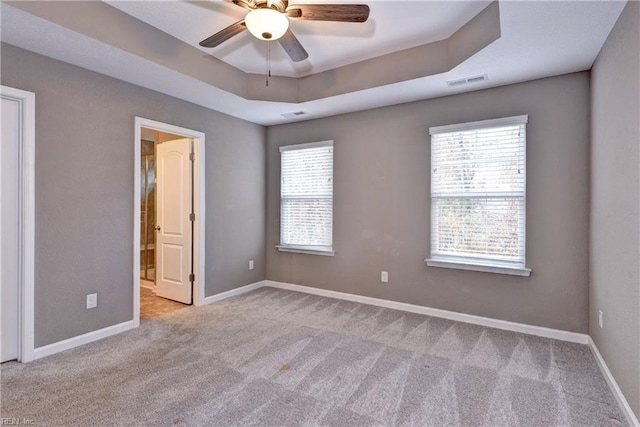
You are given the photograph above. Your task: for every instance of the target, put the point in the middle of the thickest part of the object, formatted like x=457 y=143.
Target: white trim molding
x=613 y=385
x=482 y=124
x=435 y=312
x=302 y=250
x=328 y=143
x=87 y=338
x=513 y=271
x=233 y=292
x=27 y=148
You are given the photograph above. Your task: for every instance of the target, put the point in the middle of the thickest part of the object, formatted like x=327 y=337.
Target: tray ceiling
x=536 y=40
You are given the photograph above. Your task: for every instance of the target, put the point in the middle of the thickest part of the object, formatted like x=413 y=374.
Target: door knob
x=157 y=228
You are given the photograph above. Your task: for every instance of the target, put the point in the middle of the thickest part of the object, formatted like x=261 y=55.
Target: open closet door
x=173 y=225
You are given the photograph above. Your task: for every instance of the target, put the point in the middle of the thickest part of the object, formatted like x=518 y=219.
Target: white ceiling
x=392 y=26
x=539 y=39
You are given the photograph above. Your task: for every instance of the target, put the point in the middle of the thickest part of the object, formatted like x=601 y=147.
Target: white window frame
x=311 y=250
x=474 y=263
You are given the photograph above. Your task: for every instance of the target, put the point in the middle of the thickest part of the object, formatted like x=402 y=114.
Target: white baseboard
x=92 y=336
x=233 y=292
x=613 y=385
x=445 y=314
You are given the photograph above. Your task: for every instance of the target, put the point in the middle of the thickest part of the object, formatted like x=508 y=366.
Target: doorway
x=169 y=214
x=17 y=224
x=166 y=228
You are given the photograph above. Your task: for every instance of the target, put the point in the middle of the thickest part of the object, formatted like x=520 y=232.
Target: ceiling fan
x=269 y=20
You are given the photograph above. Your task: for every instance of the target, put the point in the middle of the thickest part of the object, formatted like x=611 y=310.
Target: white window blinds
x=306 y=196
x=478 y=182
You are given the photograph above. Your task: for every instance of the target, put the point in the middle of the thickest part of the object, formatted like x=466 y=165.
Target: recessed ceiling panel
x=392 y=26
x=537 y=39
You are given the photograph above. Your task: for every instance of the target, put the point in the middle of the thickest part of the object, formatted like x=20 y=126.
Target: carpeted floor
x=280 y=358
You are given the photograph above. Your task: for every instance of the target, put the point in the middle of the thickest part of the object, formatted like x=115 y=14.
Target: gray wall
x=84 y=191
x=615 y=204
x=382 y=209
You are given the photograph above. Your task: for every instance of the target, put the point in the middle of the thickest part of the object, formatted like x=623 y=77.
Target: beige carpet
x=280 y=358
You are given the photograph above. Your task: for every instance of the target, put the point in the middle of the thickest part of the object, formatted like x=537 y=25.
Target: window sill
x=306 y=250
x=514 y=271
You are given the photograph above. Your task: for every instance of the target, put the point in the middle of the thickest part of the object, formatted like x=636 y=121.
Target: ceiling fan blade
x=329 y=12
x=224 y=35
x=292 y=46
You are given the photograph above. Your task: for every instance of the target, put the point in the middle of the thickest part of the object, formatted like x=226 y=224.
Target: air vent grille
x=294 y=114
x=468 y=80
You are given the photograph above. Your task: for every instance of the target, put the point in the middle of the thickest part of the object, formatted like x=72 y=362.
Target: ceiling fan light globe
x=266 y=24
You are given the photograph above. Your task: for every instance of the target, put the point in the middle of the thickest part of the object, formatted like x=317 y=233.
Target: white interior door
x=9 y=228
x=173 y=225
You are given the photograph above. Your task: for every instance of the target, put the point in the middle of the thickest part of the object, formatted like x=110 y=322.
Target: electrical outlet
x=384 y=276
x=251 y=265
x=92 y=300
x=600 y=318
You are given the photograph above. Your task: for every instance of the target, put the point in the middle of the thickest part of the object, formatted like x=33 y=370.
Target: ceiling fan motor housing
x=279 y=5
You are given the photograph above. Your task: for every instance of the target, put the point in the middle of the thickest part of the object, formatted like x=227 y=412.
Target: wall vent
x=468 y=80
x=294 y=114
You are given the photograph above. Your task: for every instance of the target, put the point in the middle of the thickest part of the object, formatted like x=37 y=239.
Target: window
x=306 y=198
x=478 y=183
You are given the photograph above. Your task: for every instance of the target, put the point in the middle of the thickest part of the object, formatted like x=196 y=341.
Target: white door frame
x=199 y=205
x=26 y=274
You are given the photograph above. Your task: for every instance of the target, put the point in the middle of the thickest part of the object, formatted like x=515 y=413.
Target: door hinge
x=192 y=277
x=192 y=217
x=192 y=156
